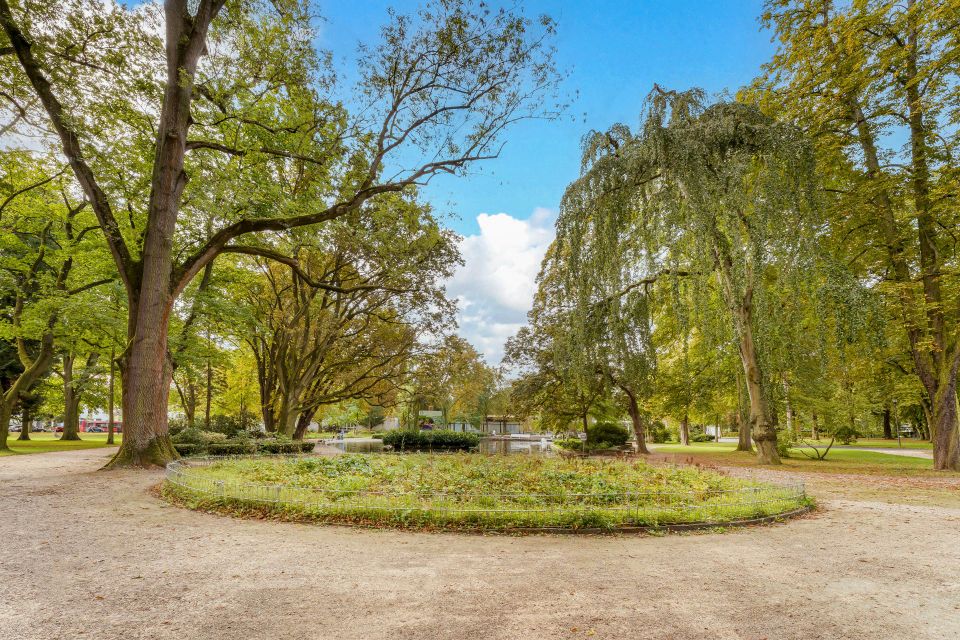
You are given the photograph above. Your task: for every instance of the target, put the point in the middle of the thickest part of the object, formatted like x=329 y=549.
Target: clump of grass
x=473 y=491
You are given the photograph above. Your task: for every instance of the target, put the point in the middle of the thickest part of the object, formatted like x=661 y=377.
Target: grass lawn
x=908 y=443
x=838 y=460
x=45 y=442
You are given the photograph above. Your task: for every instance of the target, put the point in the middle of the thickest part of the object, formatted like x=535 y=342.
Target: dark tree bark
x=71 y=401
x=303 y=423
x=635 y=418
x=26 y=416
x=887 y=432
x=110 y=423
x=685 y=430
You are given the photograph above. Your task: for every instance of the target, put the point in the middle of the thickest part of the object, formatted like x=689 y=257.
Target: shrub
x=571 y=444
x=230 y=426
x=846 y=434
x=603 y=435
x=702 y=437
x=658 y=432
x=176 y=425
x=785 y=442
x=193 y=435
x=412 y=439
x=187 y=449
x=190 y=435
x=284 y=446
x=230 y=449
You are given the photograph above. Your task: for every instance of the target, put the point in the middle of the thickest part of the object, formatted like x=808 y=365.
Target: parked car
x=58 y=429
x=14 y=428
x=96 y=430
x=38 y=428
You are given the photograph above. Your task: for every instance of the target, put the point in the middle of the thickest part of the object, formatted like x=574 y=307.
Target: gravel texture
x=93 y=554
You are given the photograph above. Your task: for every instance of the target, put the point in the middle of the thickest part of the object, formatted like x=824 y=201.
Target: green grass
x=884 y=444
x=476 y=491
x=839 y=460
x=46 y=442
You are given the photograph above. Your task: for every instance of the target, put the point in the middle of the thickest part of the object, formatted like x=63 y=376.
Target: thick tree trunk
x=71 y=401
x=887 y=431
x=146 y=377
x=814 y=427
x=5 y=413
x=26 y=419
x=303 y=423
x=110 y=425
x=744 y=441
x=946 y=447
x=638 y=430
x=685 y=430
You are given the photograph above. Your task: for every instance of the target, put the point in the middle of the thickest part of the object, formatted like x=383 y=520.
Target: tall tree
x=702 y=191
x=862 y=77
x=237 y=96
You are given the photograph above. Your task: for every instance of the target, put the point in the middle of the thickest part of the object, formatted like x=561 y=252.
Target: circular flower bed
x=475 y=491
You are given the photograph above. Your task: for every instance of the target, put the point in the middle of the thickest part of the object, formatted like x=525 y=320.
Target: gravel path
x=95 y=555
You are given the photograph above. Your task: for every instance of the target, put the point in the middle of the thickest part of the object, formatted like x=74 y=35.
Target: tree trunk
x=5 y=412
x=744 y=441
x=145 y=378
x=113 y=367
x=206 y=411
x=946 y=448
x=685 y=430
x=887 y=431
x=303 y=423
x=26 y=418
x=638 y=430
x=814 y=428
x=789 y=408
x=586 y=431
x=71 y=401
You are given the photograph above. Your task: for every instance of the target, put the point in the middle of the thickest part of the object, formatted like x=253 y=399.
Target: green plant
x=231 y=448
x=571 y=444
x=605 y=435
x=187 y=449
x=658 y=432
x=412 y=439
x=702 y=437
x=463 y=490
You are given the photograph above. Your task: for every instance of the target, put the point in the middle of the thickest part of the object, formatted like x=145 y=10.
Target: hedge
x=413 y=440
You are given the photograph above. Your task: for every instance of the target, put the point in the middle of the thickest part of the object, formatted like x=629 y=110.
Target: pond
x=487 y=445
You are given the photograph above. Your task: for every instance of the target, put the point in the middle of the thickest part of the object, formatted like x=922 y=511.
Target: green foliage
x=607 y=435
x=571 y=444
x=412 y=439
x=189 y=448
x=486 y=492
x=659 y=432
x=701 y=437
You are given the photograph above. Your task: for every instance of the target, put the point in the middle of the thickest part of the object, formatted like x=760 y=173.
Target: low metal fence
x=493 y=510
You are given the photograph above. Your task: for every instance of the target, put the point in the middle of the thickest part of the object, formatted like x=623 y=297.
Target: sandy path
x=93 y=555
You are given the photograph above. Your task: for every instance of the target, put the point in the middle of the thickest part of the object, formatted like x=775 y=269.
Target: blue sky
x=614 y=52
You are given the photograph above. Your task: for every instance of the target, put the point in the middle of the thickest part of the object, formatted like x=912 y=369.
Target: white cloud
x=495 y=286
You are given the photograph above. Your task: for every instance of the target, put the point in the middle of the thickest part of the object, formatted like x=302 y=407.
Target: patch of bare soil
x=93 y=554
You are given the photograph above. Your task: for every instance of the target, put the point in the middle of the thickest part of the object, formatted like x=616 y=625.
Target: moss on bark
x=158 y=452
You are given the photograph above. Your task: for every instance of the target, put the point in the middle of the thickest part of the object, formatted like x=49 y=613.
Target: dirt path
x=94 y=555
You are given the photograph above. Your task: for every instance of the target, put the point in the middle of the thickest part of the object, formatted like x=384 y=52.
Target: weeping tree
x=609 y=327
x=701 y=191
